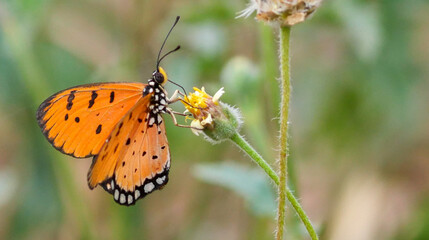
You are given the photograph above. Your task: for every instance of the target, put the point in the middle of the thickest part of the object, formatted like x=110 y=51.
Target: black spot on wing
x=94 y=95
x=112 y=96
x=119 y=128
x=70 y=100
x=98 y=130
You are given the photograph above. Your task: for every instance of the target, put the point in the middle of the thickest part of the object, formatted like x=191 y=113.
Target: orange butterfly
x=120 y=124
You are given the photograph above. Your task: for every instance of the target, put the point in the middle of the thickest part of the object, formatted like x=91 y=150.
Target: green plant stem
x=284 y=116
x=246 y=147
x=302 y=215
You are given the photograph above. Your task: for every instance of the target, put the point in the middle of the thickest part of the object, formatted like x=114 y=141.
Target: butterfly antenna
x=165 y=40
x=178 y=86
x=172 y=51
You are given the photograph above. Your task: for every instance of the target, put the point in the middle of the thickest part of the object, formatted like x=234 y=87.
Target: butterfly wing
x=136 y=159
x=77 y=121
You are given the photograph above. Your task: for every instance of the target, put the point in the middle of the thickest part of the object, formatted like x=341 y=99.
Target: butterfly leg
x=181 y=114
x=169 y=111
x=177 y=96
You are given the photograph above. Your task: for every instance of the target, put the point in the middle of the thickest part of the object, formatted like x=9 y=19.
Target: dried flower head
x=284 y=12
x=217 y=121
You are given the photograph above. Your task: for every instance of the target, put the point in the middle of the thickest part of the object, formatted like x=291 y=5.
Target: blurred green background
x=359 y=119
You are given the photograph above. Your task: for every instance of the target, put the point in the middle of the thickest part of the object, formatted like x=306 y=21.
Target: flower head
x=203 y=106
x=217 y=121
x=284 y=12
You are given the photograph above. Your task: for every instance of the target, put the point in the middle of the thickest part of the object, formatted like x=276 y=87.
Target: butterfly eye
x=159 y=78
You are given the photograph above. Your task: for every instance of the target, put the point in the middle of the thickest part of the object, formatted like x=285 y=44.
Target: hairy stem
x=245 y=146
x=284 y=116
x=301 y=213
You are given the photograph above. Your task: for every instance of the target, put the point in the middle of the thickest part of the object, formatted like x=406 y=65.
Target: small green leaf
x=247 y=182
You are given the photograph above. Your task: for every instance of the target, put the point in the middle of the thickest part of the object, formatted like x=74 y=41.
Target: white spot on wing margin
x=137 y=194
x=122 y=198
x=149 y=187
x=160 y=180
x=116 y=196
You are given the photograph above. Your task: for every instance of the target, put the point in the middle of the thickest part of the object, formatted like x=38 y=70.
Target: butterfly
x=121 y=126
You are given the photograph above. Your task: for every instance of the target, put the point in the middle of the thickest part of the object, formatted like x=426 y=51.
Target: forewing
x=77 y=121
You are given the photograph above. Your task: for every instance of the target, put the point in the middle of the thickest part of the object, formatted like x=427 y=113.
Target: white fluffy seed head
x=283 y=12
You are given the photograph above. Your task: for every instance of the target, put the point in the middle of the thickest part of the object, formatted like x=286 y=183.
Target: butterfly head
x=160 y=76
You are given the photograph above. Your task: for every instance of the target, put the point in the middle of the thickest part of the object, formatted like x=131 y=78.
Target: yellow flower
x=202 y=106
x=216 y=120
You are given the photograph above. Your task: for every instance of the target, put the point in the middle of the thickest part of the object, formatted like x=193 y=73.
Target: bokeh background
x=359 y=119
